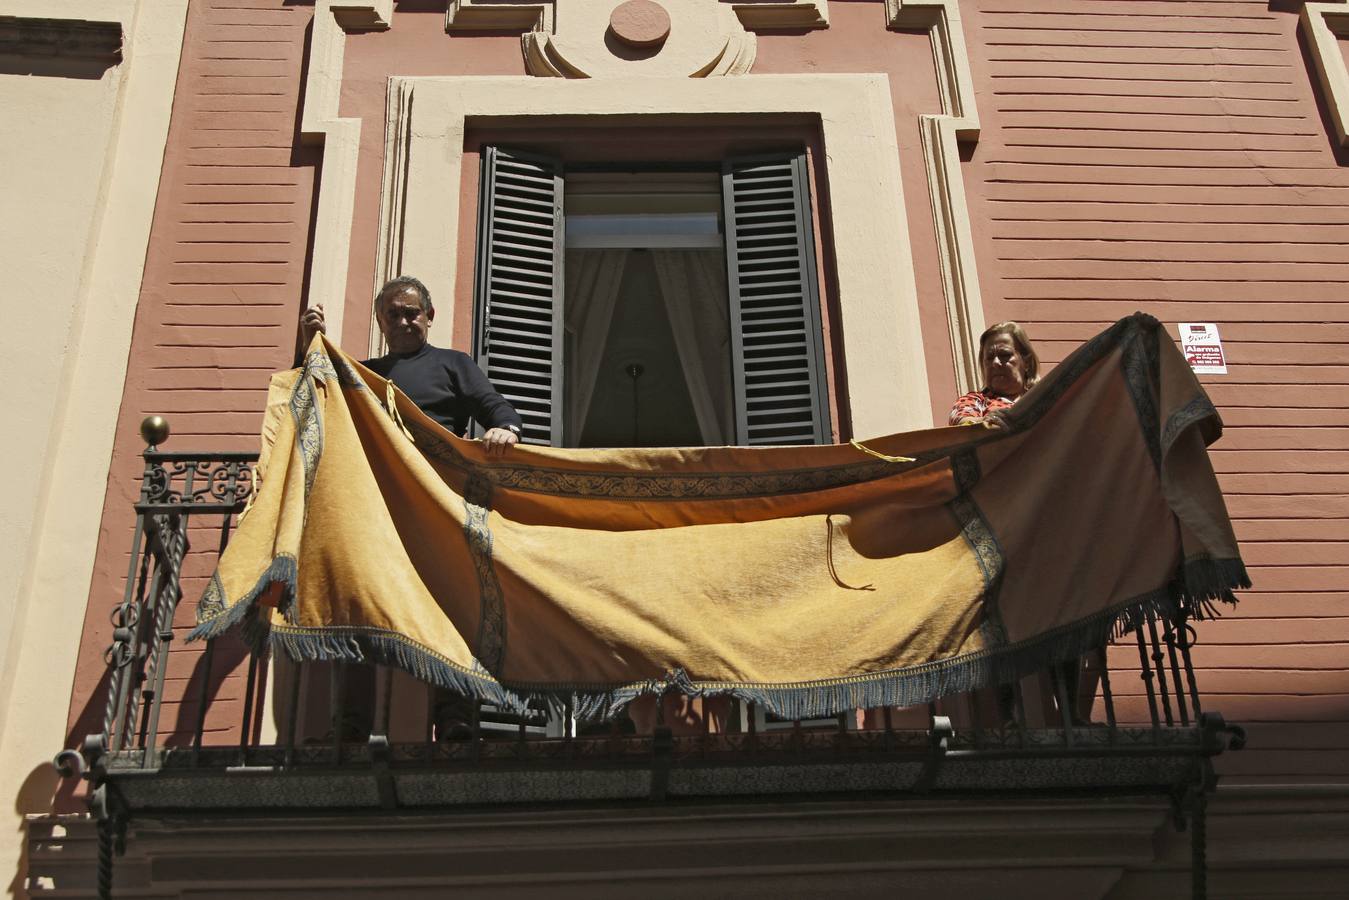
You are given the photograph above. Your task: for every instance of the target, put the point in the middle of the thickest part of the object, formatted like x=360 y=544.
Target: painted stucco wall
x=79 y=159
x=54 y=149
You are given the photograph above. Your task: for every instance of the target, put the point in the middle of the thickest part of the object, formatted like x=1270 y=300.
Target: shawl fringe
x=1207 y=580
x=284 y=570
x=1200 y=582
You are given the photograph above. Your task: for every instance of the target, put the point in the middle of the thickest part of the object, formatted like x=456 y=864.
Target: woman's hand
x=993 y=421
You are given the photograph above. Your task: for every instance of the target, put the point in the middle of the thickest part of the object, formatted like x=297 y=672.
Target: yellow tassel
x=869 y=452
x=252 y=495
x=391 y=404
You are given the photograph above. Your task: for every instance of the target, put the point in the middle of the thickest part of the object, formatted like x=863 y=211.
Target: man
x=447 y=385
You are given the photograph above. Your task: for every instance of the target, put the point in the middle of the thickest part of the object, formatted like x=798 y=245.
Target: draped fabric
x=693 y=286
x=809 y=579
x=594 y=278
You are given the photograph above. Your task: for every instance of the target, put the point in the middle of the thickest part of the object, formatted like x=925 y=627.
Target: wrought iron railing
x=178 y=490
x=1161 y=742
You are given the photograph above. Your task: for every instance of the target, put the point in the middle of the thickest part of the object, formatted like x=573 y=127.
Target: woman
x=1010 y=368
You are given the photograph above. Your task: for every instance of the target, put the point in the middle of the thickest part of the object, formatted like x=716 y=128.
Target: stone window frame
x=1324 y=24
x=877 y=296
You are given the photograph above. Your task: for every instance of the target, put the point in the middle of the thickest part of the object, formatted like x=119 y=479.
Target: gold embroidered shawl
x=810 y=579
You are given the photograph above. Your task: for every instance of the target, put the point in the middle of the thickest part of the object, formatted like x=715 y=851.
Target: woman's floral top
x=976 y=405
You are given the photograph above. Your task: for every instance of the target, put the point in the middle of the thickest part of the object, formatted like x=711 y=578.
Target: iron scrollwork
x=190 y=482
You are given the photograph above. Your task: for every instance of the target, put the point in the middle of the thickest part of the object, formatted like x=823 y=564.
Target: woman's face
x=1004 y=368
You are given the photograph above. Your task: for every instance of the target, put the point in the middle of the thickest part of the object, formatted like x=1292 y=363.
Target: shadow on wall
x=59 y=48
x=70 y=793
x=54 y=67
x=203 y=686
x=34 y=799
x=35 y=794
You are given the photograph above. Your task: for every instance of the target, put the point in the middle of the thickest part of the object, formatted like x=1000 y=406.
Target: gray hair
x=402 y=283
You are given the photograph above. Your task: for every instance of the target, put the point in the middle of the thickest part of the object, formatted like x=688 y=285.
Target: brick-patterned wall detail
x=218 y=308
x=1165 y=156
x=1171 y=157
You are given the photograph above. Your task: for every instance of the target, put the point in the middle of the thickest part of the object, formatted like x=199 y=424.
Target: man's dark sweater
x=449 y=387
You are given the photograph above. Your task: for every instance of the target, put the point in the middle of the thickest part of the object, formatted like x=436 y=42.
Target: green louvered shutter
x=518 y=291
x=777 y=351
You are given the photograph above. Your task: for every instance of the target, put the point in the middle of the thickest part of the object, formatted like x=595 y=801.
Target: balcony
x=201 y=728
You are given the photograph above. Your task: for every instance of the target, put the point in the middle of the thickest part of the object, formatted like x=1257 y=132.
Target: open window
x=658 y=308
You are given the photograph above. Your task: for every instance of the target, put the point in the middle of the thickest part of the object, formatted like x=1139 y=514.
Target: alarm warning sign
x=1203 y=348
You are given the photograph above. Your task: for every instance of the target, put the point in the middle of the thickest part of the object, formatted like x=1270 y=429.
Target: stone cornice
x=1090 y=847
x=770 y=16
x=486 y=15
x=798 y=849
x=494 y=15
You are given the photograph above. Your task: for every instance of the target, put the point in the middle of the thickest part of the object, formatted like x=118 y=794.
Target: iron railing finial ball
x=154 y=430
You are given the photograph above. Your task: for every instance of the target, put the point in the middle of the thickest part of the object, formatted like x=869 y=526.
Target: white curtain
x=693 y=286
x=593 y=278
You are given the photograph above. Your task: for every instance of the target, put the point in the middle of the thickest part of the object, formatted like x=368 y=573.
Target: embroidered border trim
x=643 y=486
x=304 y=409
x=1139 y=367
x=213 y=600
x=308 y=414
x=490 y=647
x=1031 y=408
x=982 y=542
x=1201 y=407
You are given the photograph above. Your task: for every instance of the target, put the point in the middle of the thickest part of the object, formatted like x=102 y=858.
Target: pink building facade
x=961 y=162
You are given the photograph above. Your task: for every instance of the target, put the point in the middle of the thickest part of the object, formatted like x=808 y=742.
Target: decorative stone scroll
x=703 y=38
x=582 y=39
x=640 y=23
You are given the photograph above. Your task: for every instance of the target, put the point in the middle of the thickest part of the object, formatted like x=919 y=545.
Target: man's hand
x=499 y=440
x=312 y=323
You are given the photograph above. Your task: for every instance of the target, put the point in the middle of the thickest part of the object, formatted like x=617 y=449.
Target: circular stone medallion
x=640 y=23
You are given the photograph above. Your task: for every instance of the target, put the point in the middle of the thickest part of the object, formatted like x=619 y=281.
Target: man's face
x=403 y=322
